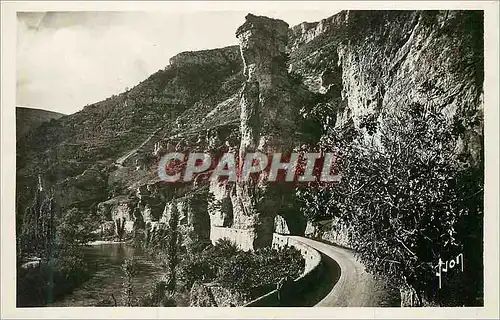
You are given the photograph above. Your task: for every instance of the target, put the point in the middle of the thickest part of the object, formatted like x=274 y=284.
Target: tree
x=409 y=199
x=172 y=239
x=76 y=228
x=129 y=268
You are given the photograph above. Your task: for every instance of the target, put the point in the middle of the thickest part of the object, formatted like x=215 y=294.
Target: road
x=122 y=159
x=346 y=283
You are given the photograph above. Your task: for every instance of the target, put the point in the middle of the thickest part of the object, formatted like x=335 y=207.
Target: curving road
x=346 y=283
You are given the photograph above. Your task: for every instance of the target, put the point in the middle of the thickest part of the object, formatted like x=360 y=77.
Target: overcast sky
x=66 y=60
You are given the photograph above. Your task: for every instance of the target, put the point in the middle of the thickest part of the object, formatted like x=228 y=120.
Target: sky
x=66 y=60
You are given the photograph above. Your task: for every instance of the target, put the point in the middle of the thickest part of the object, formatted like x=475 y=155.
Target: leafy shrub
x=236 y=273
x=205 y=264
x=159 y=296
x=250 y=273
x=129 y=268
x=409 y=199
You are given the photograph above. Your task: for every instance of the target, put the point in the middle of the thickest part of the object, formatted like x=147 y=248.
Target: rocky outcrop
x=305 y=32
x=372 y=64
x=151 y=202
x=192 y=216
x=226 y=55
x=267 y=118
x=119 y=210
x=280 y=225
x=332 y=231
x=386 y=60
x=220 y=204
x=267 y=121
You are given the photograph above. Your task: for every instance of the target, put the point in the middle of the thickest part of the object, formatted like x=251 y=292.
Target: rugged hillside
x=281 y=89
x=28 y=119
x=104 y=131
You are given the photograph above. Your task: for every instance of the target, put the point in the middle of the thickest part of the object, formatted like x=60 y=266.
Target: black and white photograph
x=250 y=158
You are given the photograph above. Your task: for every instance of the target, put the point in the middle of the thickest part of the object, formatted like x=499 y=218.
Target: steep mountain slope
x=104 y=131
x=28 y=119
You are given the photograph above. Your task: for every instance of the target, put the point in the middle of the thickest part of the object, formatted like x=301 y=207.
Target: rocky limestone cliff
x=267 y=116
x=227 y=55
x=307 y=31
x=268 y=123
x=369 y=64
x=385 y=60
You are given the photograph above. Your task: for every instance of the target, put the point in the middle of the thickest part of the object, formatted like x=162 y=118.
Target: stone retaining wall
x=242 y=237
x=311 y=274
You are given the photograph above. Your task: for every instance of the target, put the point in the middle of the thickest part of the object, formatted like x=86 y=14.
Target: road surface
x=346 y=283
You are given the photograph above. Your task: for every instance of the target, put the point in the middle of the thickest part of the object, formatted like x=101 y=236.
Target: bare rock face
x=213 y=56
x=192 y=216
x=151 y=202
x=220 y=205
x=119 y=210
x=305 y=32
x=381 y=62
x=332 y=231
x=266 y=115
x=268 y=124
x=280 y=225
x=267 y=121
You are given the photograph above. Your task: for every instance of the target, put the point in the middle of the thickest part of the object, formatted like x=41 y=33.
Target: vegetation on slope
x=28 y=119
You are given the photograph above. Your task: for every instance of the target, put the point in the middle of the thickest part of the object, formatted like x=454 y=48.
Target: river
x=109 y=277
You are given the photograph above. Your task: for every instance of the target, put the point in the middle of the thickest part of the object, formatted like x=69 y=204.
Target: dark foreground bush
x=410 y=197
x=250 y=273
x=159 y=296
x=49 y=281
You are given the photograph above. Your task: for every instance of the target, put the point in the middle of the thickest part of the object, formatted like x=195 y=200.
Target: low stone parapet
x=242 y=237
x=311 y=274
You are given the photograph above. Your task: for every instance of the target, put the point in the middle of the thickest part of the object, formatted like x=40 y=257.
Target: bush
x=409 y=199
x=250 y=273
x=50 y=280
x=159 y=296
x=204 y=265
x=199 y=267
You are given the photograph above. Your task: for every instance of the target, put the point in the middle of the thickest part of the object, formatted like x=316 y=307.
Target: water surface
x=109 y=278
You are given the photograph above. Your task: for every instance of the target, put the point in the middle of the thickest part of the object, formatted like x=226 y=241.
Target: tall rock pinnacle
x=267 y=119
x=266 y=115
